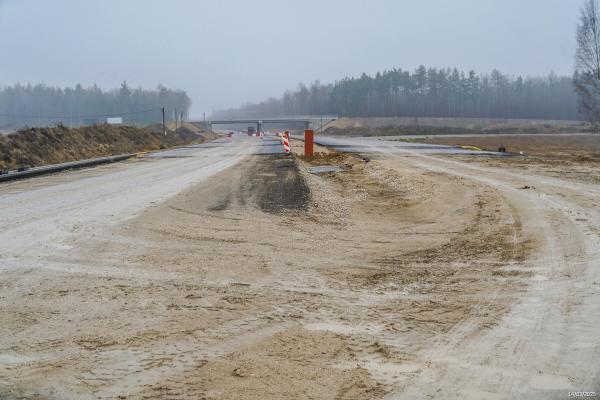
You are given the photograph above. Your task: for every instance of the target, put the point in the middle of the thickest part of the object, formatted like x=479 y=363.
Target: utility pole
x=164 y=125
x=321 y=130
x=175 y=120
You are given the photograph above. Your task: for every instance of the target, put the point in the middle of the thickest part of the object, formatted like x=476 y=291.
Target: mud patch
x=272 y=184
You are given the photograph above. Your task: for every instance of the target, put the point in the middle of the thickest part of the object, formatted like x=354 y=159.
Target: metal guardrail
x=48 y=169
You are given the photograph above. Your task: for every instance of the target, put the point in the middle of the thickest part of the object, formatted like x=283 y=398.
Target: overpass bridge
x=307 y=121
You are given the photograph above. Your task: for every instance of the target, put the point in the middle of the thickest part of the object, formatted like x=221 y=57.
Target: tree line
x=426 y=92
x=41 y=105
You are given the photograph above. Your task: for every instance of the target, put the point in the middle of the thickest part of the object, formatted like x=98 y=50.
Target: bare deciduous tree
x=587 y=70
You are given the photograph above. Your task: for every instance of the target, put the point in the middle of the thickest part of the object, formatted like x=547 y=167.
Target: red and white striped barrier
x=285 y=140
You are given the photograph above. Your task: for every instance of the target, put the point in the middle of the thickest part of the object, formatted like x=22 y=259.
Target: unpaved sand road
x=410 y=276
x=548 y=344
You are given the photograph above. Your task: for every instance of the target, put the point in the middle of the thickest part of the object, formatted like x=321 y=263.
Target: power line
x=79 y=116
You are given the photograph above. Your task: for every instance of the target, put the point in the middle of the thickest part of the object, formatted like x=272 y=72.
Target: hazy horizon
x=228 y=53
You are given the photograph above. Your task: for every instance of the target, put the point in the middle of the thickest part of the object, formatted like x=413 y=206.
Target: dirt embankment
x=42 y=146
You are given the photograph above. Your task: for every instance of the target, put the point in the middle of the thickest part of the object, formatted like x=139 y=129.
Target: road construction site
x=226 y=270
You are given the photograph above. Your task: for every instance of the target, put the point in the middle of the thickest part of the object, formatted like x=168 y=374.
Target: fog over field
x=230 y=52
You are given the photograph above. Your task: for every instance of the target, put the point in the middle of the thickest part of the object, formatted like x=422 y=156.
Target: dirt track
x=403 y=277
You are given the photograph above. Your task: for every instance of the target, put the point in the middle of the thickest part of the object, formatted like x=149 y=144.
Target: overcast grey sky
x=228 y=52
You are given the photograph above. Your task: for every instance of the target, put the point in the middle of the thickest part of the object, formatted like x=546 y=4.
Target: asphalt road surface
x=389 y=145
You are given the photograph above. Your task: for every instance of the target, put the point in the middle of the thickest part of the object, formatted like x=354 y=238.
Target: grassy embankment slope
x=42 y=146
x=449 y=126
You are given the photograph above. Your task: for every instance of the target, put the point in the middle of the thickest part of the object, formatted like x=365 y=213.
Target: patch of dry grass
x=576 y=147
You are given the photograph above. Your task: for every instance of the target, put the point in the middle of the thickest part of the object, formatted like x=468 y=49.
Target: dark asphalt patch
x=274 y=184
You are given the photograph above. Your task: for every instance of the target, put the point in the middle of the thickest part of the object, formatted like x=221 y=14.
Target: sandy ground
x=401 y=277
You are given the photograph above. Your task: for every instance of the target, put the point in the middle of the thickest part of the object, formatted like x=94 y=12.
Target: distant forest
x=426 y=92
x=41 y=105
